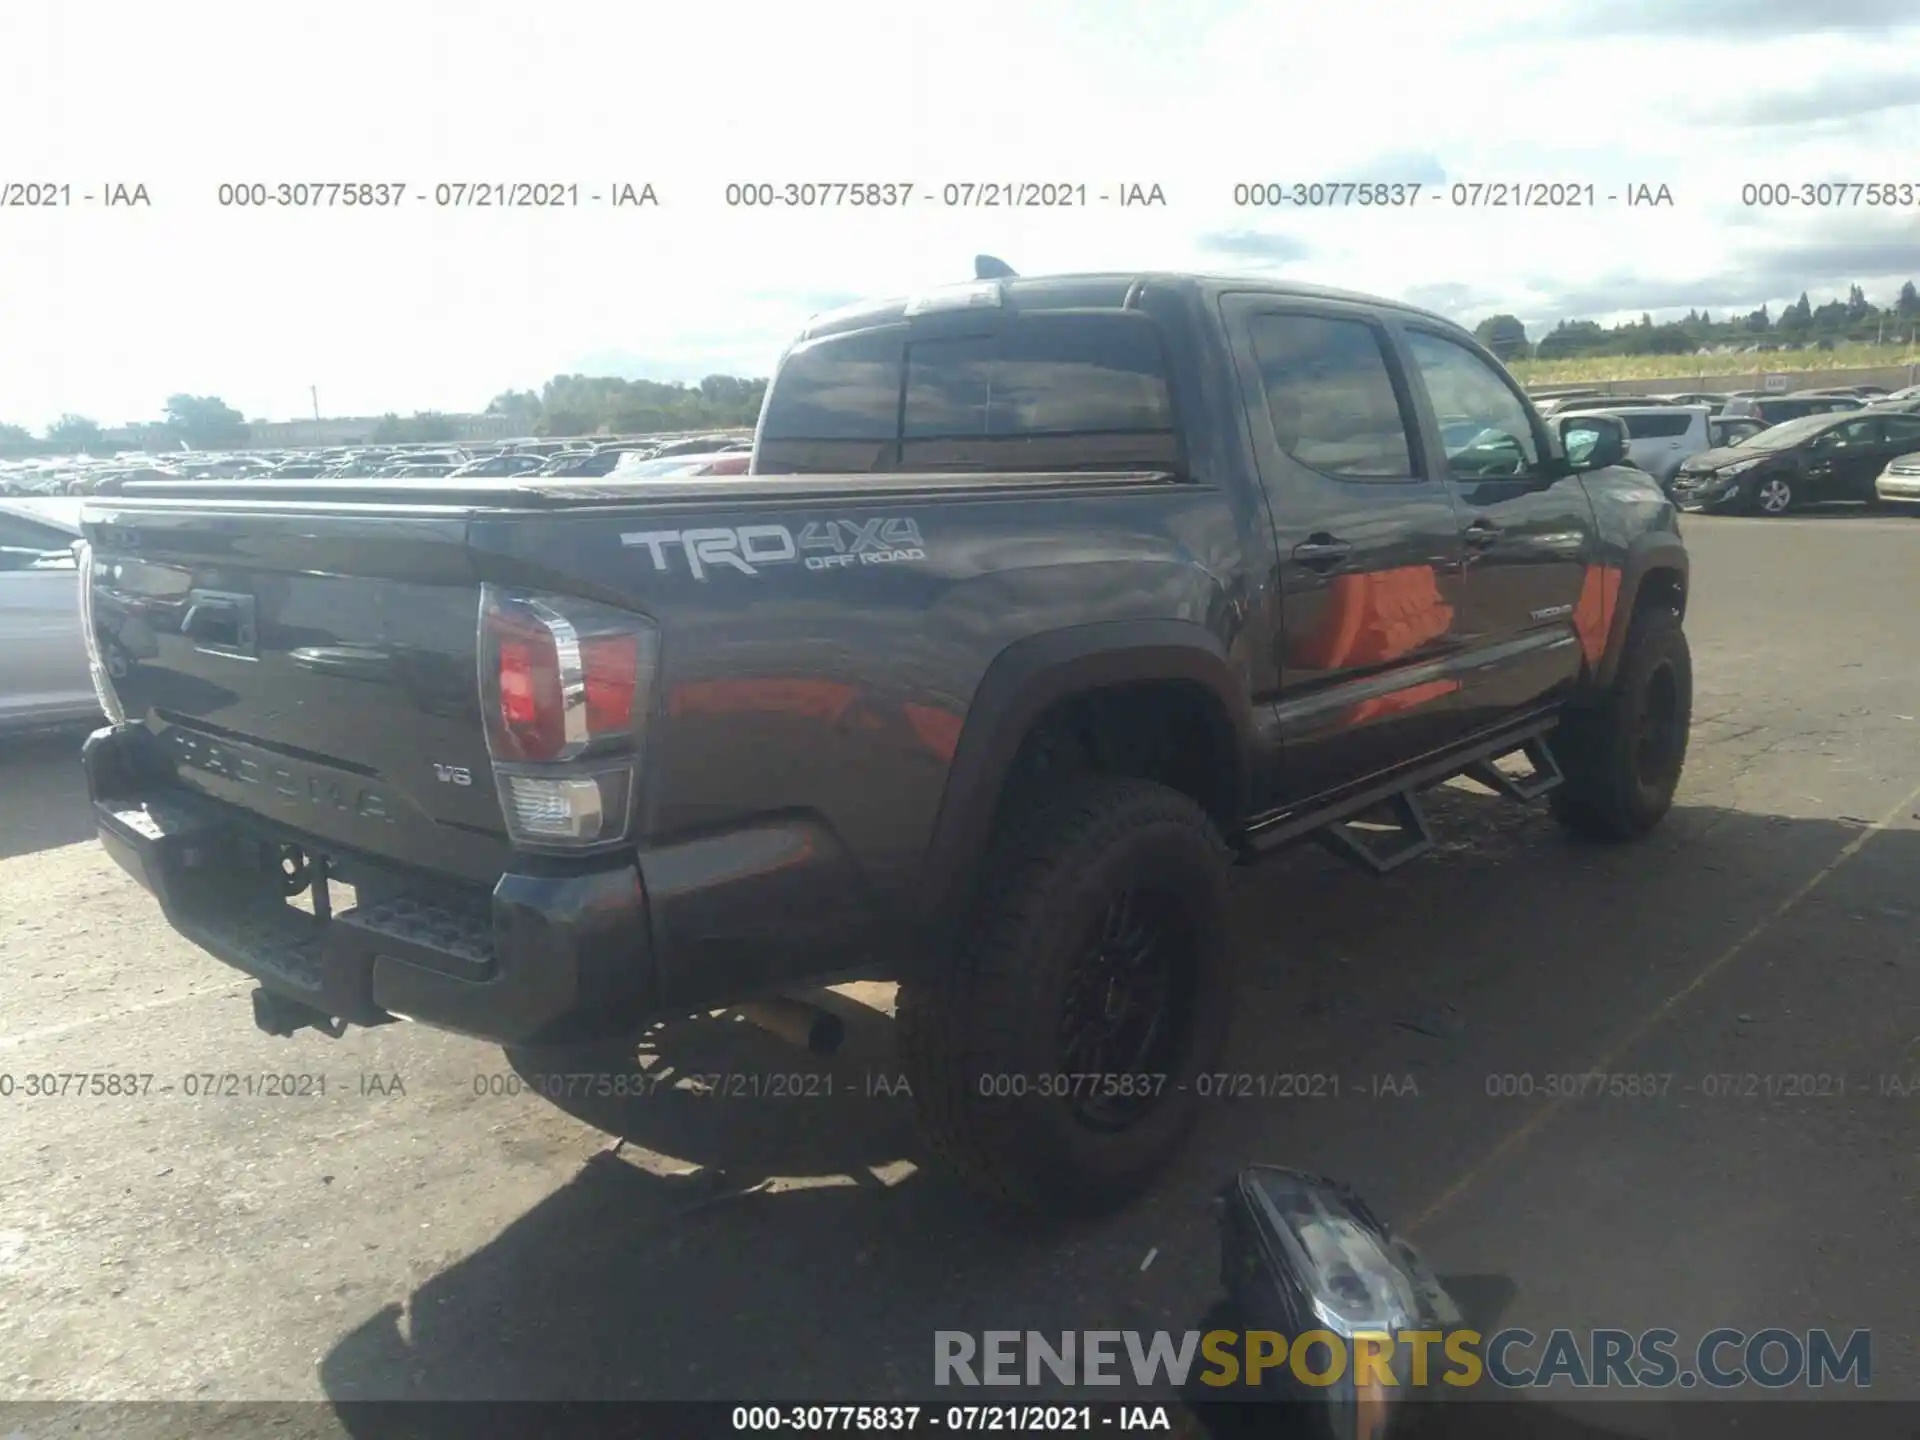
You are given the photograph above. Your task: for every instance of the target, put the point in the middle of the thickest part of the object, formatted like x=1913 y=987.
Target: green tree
x=424 y=427
x=74 y=432
x=1907 y=307
x=204 y=421
x=520 y=406
x=1504 y=335
x=562 y=424
x=1571 y=338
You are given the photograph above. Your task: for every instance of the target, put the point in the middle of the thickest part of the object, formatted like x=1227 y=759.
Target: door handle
x=1480 y=534
x=218 y=621
x=1321 y=552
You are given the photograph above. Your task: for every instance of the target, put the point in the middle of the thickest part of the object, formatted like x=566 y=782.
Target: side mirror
x=1593 y=442
x=1300 y=1254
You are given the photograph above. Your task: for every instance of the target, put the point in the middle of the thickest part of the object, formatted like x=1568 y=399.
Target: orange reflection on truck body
x=818 y=699
x=1593 y=615
x=1397 y=701
x=1375 y=618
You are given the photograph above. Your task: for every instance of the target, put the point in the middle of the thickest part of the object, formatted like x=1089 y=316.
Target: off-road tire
x=1615 y=789
x=986 y=1020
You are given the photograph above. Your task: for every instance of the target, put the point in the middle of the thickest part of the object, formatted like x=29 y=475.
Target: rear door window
x=1331 y=397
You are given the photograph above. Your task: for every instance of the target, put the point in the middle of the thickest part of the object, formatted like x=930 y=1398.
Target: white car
x=1660 y=438
x=43 y=658
x=1900 y=481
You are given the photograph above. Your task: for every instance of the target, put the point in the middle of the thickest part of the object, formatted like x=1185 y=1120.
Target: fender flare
x=1649 y=553
x=1027 y=679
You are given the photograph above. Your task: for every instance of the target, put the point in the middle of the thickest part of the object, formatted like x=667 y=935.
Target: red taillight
x=532 y=712
x=613 y=675
x=565 y=677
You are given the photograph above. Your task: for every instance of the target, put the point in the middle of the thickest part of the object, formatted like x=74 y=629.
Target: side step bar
x=1544 y=777
x=1348 y=826
x=1408 y=837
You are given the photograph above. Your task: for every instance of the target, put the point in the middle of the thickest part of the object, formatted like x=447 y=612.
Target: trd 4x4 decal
x=820 y=545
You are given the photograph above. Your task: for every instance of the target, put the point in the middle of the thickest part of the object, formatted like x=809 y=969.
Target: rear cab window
x=1040 y=390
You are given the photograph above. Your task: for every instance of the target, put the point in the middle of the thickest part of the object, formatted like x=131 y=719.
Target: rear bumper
x=572 y=953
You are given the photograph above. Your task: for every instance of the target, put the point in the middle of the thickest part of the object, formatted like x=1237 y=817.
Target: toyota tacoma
x=1045 y=601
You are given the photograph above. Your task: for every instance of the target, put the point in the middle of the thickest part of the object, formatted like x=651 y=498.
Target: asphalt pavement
x=410 y=1222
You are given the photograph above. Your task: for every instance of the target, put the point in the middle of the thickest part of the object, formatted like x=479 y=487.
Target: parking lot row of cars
x=718 y=454
x=1766 y=454
x=45 y=679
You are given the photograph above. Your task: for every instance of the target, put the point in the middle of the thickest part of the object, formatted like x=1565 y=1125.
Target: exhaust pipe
x=797 y=1022
x=282 y=1017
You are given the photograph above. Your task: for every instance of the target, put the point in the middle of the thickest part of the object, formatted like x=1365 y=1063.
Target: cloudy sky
x=107 y=311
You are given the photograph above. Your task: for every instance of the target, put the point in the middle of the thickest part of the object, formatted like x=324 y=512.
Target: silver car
x=43 y=659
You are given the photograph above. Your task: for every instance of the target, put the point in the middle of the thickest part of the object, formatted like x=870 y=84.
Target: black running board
x=1381 y=827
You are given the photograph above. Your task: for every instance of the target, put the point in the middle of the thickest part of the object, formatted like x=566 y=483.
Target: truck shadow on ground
x=755 y=1247
x=43 y=792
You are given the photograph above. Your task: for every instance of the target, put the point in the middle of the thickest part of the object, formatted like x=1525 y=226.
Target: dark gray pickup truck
x=1046 y=600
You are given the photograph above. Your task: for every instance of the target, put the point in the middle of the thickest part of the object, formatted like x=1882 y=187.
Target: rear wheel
x=1054 y=1057
x=1622 y=758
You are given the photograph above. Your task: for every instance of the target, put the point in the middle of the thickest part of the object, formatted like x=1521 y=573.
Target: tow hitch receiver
x=280 y=1016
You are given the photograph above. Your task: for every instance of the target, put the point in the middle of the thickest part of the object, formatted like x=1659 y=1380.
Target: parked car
x=43 y=655
x=1908 y=406
x=1712 y=399
x=1724 y=434
x=1911 y=392
x=698 y=445
x=977 y=684
x=1777 y=408
x=1798 y=462
x=1553 y=405
x=644 y=467
x=1899 y=483
x=582 y=463
x=1659 y=437
x=512 y=463
x=729 y=462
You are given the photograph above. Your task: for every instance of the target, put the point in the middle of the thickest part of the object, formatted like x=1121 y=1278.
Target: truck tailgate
x=311 y=665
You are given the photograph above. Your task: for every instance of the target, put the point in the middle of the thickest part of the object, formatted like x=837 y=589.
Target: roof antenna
x=987 y=267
